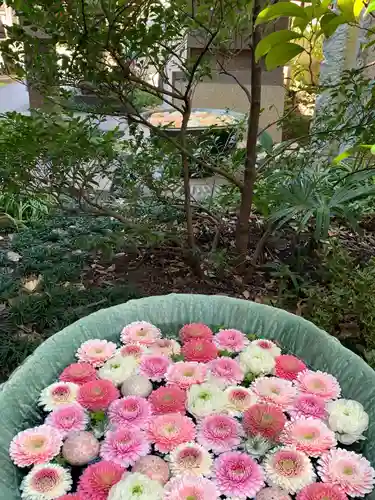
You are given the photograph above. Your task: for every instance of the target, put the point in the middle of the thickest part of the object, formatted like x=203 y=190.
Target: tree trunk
x=242 y=230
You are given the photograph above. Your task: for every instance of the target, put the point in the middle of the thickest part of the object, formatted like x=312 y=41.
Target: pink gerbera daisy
x=97 y=395
x=124 y=446
x=231 y=340
x=96 y=481
x=130 y=411
x=79 y=373
x=96 y=352
x=154 y=467
x=185 y=374
x=169 y=399
x=308 y=405
x=239 y=399
x=169 y=430
x=238 y=475
x=135 y=350
x=165 y=347
x=275 y=390
x=200 y=350
x=219 y=433
x=309 y=435
x=35 y=446
x=321 y=491
x=264 y=419
x=140 y=331
x=225 y=371
x=72 y=496
x=268 y=346
x=351 y=472
x=288 y=366
x=318 y=383
x=190 y=487
x=68 y=418
x=58 y=394
x=273 y=493
x=191 y=459
x=46 y=481
x=194 y=331
x=154 y=366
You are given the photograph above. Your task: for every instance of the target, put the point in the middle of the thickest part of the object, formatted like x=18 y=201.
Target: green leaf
x=273 y=39
x=370 y=7
x=330 y=22
x=281 y=54
x=347 y=8
x=266 y=141
x=342 y=156
x=281 y=9
x=373 y=149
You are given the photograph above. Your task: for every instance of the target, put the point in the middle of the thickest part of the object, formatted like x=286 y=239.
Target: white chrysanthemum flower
x=238 y=399
x=118 y=369
x=348 y=419
x=136 y=486
x=45 y=482
x=256 y=360
x=58 y=394
x=289 y=469
x=268 y=346
x=205 y=399
x=257 y=446
x=190 y=458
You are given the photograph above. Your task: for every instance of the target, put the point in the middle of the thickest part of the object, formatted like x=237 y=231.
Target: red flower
x=78 y=373
x=264 y=419
x=200 y=350
x=97 y=395
x=195 y=331
x=169 y=399
x=288 y=366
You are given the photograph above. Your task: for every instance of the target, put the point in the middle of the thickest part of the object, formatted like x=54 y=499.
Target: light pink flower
x=273 y=493
x=268 y=346
x=37 y=445
x=169 y=430
x=140 y=331
x=80 y=448
x=275 y=390
x=231 y=340
x=321 y=491
x=308 y=405
x=318 y=383
x=309 y=435
x=96 y=481
x=136 y=350
x=154 y=467
x=185 y=374
x=219 y=433
x=130 y=411
x=165 y=347
x=239 y=399
x=191 y=459
x=96 y=352
x=154 y=366
x=58 y=394
x=45 y=482
x=68 y=418
x=238 y=475
x=225 y=371
x=348 y=470
x=190 y=487
x=124 y=446
x=194 y=331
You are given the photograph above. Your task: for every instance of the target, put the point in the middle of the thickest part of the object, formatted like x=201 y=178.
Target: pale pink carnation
x=225 y=371
x=124 y=446
x=309 y=435
x=140 y=331
x=321 y=491
x=308 y=405
x=96 y=352
x=219 y=433
x=37 y=445
x=238 y=475
x=78 y=373
x=190 y=487
x=154 y=366
x=348 y=470
x=186 y=373
x=97 y=479
x=68 y=418
x=273 y=493
x=154 y=467
x=268 y=346
x=318 y=383
x=136 y=350
x=169 y=430
x=231 y=340
x=275 y=390
x=194 y=331
x=130 y=411
x=165 y=347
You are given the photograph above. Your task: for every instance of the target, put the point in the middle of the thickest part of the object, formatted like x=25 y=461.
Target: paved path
x=14 y=97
